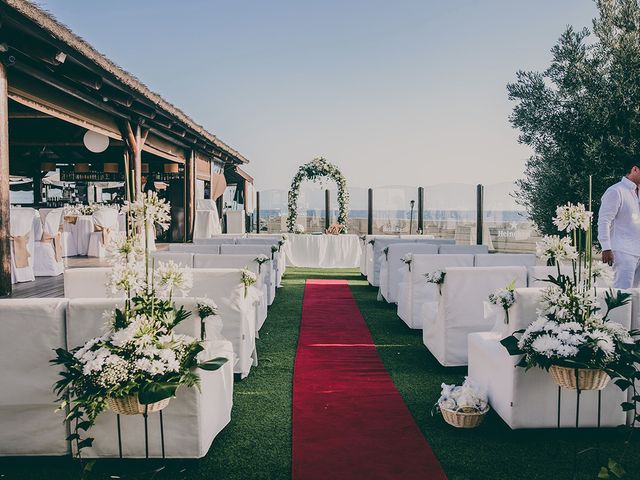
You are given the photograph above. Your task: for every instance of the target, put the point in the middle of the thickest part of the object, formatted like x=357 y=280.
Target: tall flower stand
x=580 y=381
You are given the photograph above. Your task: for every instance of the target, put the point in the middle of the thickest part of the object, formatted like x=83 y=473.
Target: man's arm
x=609 y=207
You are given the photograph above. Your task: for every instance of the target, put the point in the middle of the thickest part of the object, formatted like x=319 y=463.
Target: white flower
x=124 y=249
x=468 y=395
x=248 y=278
x=437 y=277
x=170 y=275
x=407 y=258
x=149 y=209
x=546 y=345
x=262 y=258
x=602 y=271
x=554 y=247
x=298 y=228
x=128 y=278
x=604 y=342
x=571 y=217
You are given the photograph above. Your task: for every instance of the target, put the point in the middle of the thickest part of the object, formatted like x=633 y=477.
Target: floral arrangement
x=261 y=259
x=275 y=249
x=319 y=167
x=247 y=278
x=407 y=258
x=139 y=357
x=437 y=277
x=386 y=253
x=505 y=297
x=298 y=228
x=571 y=331
x=467 y=397
x=206 y=308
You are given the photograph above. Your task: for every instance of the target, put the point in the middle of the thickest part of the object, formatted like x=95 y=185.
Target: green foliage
x=581 y=114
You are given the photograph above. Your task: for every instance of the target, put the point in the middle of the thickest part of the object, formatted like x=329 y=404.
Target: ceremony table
x=323 y=251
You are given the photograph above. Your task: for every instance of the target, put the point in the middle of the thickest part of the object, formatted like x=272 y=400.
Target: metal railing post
x=479 y=213
x=370 y=213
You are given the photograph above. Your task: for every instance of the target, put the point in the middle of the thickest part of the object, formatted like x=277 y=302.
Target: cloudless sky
x=403 y=92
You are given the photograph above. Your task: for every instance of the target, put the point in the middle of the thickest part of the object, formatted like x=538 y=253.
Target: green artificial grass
x=257 y=442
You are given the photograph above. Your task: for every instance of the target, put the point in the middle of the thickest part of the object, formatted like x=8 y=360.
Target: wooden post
x=479 y=213
x=257 y=212
x=137 y=161
x=190 y=190
x=370 y=213
x=5 y=210
x=327 y=209
x=421 y=210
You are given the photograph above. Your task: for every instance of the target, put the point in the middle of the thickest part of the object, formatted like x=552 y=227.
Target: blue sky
x=403 y=92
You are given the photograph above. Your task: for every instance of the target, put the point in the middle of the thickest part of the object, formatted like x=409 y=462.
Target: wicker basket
x=131 y=406
x=588 y=378
x=463 y=418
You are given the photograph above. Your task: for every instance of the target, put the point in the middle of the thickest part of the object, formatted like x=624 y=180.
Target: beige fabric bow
x=106 y=233
x=20 y=252
x=57 y=243
x=72 y=219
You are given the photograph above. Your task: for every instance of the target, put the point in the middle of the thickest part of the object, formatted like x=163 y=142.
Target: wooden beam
x=190 y=188
x=33 y=114
x=144 y=110
x=116 y=95
x=5 y=210
x=81 y=75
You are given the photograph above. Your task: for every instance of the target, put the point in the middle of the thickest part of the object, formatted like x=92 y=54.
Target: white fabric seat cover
x=203 y=260
x=223 y=286
x=256 y=250
x=87 y=282
x=21 y=224
x=105 y=218
x=181 y=258
x=461 y=309
x=529 y=399
x=268 y=241
x=45 y=263
x=392 y=267
x=194 y=248
x=505 y=260
x=414 y=292
x=193 y=418
x=216 y=240
x=31 y=330
x=453 y=249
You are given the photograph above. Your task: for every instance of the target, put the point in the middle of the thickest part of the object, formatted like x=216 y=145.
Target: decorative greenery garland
x=319 y=167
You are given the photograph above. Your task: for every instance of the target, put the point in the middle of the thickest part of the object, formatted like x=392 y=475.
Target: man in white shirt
x=619 y=227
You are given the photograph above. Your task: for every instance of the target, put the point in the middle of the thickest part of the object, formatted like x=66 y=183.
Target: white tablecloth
x=323 y=251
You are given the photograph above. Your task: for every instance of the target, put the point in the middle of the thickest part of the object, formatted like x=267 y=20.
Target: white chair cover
x=106 y=223
x=414 y=292
x=206 y=224
x=243 y=261
x=87 y=283
x=457 y=249
x=22 y=230
x=191 y=421
x=235 y=221
x=191 y=248
x=238 y=315
x=392 y=267
x=216 y=240
x=257 y=250
x=31 y=330
x=537 y=275
x=528 y=399
x=181 y=258
x=461 y=309
x=48 y=248
x=505 y=260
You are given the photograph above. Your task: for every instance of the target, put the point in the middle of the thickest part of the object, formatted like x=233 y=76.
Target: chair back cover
x=106 y=217
x=394 y=267
x=215 y=240
x=87 y=283
x=52 y=221
x=246 y=250
x=203 y=260
x=31 y=330
x=190 y=247
x=181 y=258
x=475 y=249
x=505 y=260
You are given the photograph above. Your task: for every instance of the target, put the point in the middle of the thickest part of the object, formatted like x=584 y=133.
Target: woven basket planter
x=588 y=378
x=463 y=418
x=131 y=406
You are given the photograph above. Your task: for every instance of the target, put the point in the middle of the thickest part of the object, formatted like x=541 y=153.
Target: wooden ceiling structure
x=54 y=86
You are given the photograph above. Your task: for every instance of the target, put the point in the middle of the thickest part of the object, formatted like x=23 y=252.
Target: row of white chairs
x=31 y=424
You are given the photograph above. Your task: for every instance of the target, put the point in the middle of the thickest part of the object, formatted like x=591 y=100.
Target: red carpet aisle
x=349 y=421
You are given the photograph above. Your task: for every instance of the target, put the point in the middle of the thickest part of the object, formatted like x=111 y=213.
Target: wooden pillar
x=135 y=143
x=137 y=161
x=257 y=212
x=190 y=193
x=421 y=210
x=370 y=212
x=5 y=210
x=479 y=213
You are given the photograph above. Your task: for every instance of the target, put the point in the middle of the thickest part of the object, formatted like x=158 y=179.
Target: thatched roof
x=61 y=32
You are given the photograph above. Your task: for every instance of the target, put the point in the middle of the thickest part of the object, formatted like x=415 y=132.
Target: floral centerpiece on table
x=437 y=277
x=463 y=406
x=298 y=228
x=137 y=365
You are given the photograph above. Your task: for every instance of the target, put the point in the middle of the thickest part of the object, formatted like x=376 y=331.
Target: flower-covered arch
x=319 y=167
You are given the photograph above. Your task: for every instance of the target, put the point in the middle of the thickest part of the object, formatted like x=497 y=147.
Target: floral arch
x=319 y=167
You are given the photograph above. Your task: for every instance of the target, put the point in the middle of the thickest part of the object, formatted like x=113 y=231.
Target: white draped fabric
x=24 y=226
x=323 y=251
x=523 y=399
